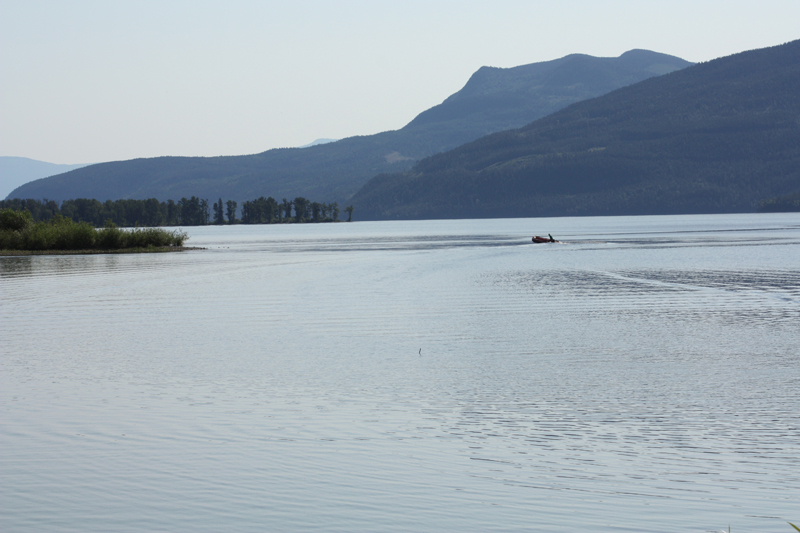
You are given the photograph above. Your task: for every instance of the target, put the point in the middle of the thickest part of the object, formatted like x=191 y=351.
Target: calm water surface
x=410 y=376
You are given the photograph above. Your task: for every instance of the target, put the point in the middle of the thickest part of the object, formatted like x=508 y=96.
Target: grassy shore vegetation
x=18 y=231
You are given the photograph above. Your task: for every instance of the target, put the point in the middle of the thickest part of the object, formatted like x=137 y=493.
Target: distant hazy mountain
x=317 y=142
x=15 y=171
x=716 y=137
x=494 y=99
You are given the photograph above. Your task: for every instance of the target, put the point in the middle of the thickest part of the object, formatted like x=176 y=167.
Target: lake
x=642 y=376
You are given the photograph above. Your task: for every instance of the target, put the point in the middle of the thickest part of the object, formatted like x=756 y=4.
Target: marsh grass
x=19 y=232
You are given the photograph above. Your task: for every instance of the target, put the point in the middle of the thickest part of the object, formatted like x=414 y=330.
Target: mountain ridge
x=716 y=137
x=492 y=100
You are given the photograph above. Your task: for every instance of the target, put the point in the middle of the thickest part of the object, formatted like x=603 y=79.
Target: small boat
x=537 y=240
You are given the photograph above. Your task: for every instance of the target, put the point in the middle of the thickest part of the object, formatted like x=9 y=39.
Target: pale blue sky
x=90 y=81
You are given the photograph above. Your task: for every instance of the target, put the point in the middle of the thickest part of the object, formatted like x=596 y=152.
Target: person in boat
x=551 y=238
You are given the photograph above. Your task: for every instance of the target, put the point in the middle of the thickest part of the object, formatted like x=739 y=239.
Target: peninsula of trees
x=192 y=211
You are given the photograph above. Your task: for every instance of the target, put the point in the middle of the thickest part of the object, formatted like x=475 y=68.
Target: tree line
x=192 y=211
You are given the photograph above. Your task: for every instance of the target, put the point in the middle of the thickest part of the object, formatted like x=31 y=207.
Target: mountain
x=715 y=137
x=494 y=99
x=318 y=141
x=15 y=171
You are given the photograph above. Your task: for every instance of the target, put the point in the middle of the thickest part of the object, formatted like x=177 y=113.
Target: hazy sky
x=89 y=81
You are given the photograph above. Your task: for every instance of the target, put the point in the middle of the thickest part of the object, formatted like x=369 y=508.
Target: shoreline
x=149 y=250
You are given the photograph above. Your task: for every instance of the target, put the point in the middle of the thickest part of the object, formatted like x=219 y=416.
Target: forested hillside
x=719 y=136
x=493 y=100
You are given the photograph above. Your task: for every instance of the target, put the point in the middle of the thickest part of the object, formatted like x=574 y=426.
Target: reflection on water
x=755 y=297
x=425 y=376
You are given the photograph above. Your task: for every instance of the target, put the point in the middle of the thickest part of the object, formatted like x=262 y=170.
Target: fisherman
x=551 y=238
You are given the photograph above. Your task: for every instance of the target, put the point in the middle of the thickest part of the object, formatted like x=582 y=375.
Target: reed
x=19 y=232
